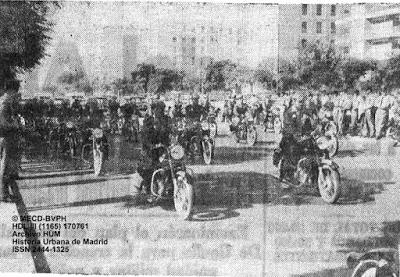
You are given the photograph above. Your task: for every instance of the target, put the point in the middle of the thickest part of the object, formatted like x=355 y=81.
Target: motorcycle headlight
x=97 y=133
x=177 y=152
x=204 y=125
x=323 y=143
x=161 y=158
x=69 y=125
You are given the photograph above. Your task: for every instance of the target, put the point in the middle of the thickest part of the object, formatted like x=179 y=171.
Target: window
x=202 y=29
x=304 y=9
x=304 y=27
x=319 y=27
x=193 y=40
x=333 y=10
x=319 y=9
x=346 y=50
x=193 y=60
x=332 y=41
x=303 y=43
x=333 y=28
x=202 y=40
x=211 y=39
x=230 y=31
x=183 y=39
x=202 y=50
x=174 y=39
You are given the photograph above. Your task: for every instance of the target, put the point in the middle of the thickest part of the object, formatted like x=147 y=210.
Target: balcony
x=383 y=35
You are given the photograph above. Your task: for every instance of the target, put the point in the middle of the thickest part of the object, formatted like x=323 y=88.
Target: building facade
x=301 y=24
x=112 y=38
x=370 y=31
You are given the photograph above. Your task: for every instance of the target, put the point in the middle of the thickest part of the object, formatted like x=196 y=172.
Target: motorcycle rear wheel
x=183 y=198
x=207 y=151
x=334 y=147
x=329 y=185
x=251 y=136
x=369 y=268
x=97 y=161
x=277 y=126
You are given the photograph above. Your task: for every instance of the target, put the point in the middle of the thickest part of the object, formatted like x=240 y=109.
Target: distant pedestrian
x=382 y=113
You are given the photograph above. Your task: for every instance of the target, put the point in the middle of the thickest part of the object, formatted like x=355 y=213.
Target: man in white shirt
x=383 y=104
x=369 y=106
x=355 y=109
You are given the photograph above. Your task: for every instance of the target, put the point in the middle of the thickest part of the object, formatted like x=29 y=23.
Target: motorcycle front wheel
x=370 y=268
x=334 y=146
x=183 y=198
x=207 y=151
x=277 y=126
x=329 y=184
x=251 y=135
x=97 y=161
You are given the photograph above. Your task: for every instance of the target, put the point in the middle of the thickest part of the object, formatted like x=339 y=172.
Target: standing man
x=9 y=140
x=347 y=105
x=355 y=106
x=337 y=111
x=382 y=113
x=369 y=113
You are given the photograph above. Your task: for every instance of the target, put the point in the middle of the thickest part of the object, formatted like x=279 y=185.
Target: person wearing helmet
x=155 y=133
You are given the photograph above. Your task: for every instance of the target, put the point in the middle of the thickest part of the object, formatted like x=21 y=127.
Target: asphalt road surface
x=245 y=222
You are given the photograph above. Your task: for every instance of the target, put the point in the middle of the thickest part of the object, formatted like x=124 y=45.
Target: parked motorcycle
x=381 y=262
x=71 y=139
x=99 y=148
x=305 y=162
x=172 y=180
x=244 y=129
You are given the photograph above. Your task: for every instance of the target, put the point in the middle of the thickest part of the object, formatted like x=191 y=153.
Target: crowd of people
x=355 y=112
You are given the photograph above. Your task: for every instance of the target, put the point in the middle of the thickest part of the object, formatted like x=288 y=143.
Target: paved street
x=244 y=221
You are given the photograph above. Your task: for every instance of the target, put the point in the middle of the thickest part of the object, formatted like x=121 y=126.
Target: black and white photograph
x=184 y=138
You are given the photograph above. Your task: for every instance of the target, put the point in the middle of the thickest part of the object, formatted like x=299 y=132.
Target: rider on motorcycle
x=194 y=114
x=155 y=133
x=240 y=109
x=296 y=134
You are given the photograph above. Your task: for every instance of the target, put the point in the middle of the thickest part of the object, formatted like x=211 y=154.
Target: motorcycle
x=326 y=134
x=307 y=163
x=99 y=147
x=171 y=179
x=71 y=142
x=244 y=129
x=207 y=141
x=196 y=141
x=381 y=262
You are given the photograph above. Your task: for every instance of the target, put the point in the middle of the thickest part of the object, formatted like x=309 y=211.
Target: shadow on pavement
x=82 y=203
x=349 y=153
x=31 y=236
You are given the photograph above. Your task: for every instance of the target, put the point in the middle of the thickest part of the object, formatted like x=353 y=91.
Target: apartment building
x=370 y=31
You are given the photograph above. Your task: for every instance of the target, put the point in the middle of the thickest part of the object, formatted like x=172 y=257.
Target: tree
x=77 y=80
x=163 y=80
x=318 y=65
x=142 y=75
x=390 y=75
x=264 y=76
x=215 y=75
x=352 y=69
x=24 y=29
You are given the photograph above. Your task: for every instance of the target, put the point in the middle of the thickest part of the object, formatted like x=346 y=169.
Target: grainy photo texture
x=200 y=139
